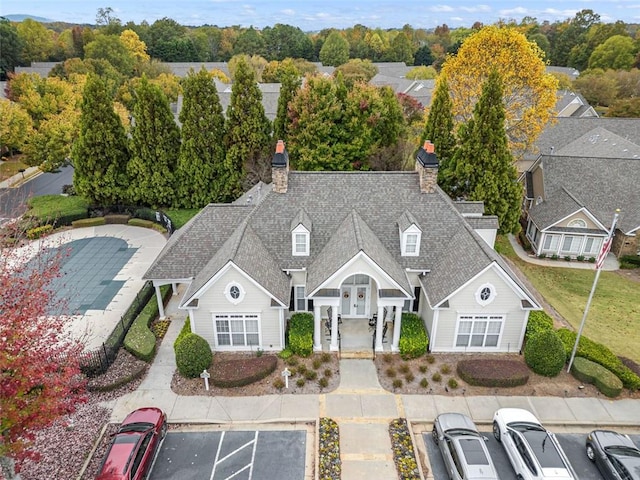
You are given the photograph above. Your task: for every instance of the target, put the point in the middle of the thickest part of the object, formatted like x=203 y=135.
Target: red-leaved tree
x=40 y=378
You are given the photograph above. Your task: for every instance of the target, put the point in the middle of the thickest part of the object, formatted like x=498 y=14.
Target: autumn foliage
x=40 y=378
x=529 y=93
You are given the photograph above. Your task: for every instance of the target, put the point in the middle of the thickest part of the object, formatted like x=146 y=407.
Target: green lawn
x=180 y=216
x=9 y=168
x=614 y=315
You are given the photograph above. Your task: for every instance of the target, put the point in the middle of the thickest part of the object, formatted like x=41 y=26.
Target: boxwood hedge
x=193 y=355
x=590 y=372
x=538 y=321
x=599 y=354
x=544 y=353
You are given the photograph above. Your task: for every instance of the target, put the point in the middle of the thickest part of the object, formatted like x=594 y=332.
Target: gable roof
x=601 y=185
x=565 y=130
x=350 y=212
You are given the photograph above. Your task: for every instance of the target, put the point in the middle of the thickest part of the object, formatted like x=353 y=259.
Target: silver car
x=534 y=452
x=463 y=448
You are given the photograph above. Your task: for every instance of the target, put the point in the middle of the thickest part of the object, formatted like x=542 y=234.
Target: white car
x=533 y=451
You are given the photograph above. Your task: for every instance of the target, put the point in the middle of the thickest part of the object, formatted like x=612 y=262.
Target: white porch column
x=396 y=329
x=192 y=321
x=334 y=347
x=174 y=287
x=379 y=324
x=317 y=329
x=160 y=305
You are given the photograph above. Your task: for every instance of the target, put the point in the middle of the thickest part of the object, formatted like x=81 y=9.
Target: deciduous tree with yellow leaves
x=529 y=93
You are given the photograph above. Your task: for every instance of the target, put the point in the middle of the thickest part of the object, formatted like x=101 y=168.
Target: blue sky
x=311 y=15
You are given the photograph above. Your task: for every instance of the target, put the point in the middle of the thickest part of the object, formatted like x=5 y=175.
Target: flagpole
x=605 y=247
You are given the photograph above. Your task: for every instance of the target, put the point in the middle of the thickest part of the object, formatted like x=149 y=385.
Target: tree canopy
x=529 y=92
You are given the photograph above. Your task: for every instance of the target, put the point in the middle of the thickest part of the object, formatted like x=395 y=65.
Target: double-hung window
x=300 y=301
x=237 y=329
x=479 y=331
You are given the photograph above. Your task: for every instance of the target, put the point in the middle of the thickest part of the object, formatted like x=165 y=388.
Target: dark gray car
x=463 y=448
x=615 y=455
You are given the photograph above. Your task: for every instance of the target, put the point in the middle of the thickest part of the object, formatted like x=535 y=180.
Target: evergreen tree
x=100 y=153
x=439 y=130
x=289 y=78
x=201 y=157
x=335 y=50
x=248 y=135
x=155 y=142
x=484 y=168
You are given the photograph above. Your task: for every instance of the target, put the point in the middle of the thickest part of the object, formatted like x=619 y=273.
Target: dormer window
x=300 y=241
x=410 y=241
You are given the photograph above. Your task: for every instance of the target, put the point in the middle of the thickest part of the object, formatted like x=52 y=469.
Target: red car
x=134 y=446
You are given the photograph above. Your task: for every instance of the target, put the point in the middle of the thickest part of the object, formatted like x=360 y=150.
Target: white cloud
x=288 y=11
x=441 y=8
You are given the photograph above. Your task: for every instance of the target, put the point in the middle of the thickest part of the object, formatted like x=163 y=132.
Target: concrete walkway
x=359 y=405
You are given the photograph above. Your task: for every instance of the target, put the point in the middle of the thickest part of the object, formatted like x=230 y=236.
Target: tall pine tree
x=100 y=154
x=289 y=78
x=484 y=169
x=155 y=142
x=201 y=158
x=248 y=135
x=439 y=130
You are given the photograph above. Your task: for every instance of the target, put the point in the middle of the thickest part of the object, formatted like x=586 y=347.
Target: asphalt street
x=573 y=445
x=13 y=201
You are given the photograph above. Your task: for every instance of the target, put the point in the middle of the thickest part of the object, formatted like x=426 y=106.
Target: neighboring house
x=574 y=189
x=570 y=72
x=421 y=90
x=571 y=104
x=361 y=243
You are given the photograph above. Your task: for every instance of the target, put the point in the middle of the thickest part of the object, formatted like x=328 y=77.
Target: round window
x=234 y=292
x=485 y=294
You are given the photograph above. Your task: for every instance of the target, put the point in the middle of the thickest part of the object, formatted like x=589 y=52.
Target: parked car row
x=533 y=451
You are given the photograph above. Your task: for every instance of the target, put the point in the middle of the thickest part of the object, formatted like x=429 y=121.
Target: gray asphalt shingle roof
x=349 y=211
x=602 y=185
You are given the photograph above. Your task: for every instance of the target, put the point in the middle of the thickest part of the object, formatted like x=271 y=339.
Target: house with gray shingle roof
x=574 y=189
x=348 y=247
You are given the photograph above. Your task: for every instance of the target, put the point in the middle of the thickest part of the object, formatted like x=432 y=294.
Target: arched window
x=577 y=223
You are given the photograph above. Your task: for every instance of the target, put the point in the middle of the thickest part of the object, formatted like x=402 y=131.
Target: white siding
x=255 y=301
x=505 y=303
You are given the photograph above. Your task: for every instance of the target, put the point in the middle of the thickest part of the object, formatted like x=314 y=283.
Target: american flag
x=606 y=246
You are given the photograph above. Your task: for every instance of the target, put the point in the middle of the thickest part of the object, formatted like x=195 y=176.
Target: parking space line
x=249 y=466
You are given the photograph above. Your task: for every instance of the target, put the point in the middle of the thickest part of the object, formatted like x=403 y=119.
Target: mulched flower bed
x=403 y=453
x=318 y=373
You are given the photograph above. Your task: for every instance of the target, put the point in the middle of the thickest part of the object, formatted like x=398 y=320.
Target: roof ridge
x=356 y=228
x=572 y=196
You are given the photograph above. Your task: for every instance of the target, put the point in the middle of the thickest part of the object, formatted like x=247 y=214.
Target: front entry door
x=355 y=299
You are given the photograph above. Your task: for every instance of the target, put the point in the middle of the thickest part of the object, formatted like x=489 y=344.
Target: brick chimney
x=427 y=167
x=280 y=169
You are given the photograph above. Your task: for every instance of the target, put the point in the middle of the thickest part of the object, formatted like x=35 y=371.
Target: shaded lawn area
x=10 y=167
x=180 y=216
x=614 y=315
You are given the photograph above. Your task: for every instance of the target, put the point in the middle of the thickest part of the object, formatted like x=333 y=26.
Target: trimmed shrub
x=88 y=222
x=631 y=259
x=140 y=340
x=493 y=373
x=193 y=355
x=185 y=330
x=590 y=372
x=453 y=383
x=285 y=354
x=539 y=321
x=301 y=334
x=413 y=336
x=139 y=222
x=544 y=353
x=38 y=232
x=600 y=354
x=436 y=377
x=117 y=218
x=238 y=373
x=424 y=383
